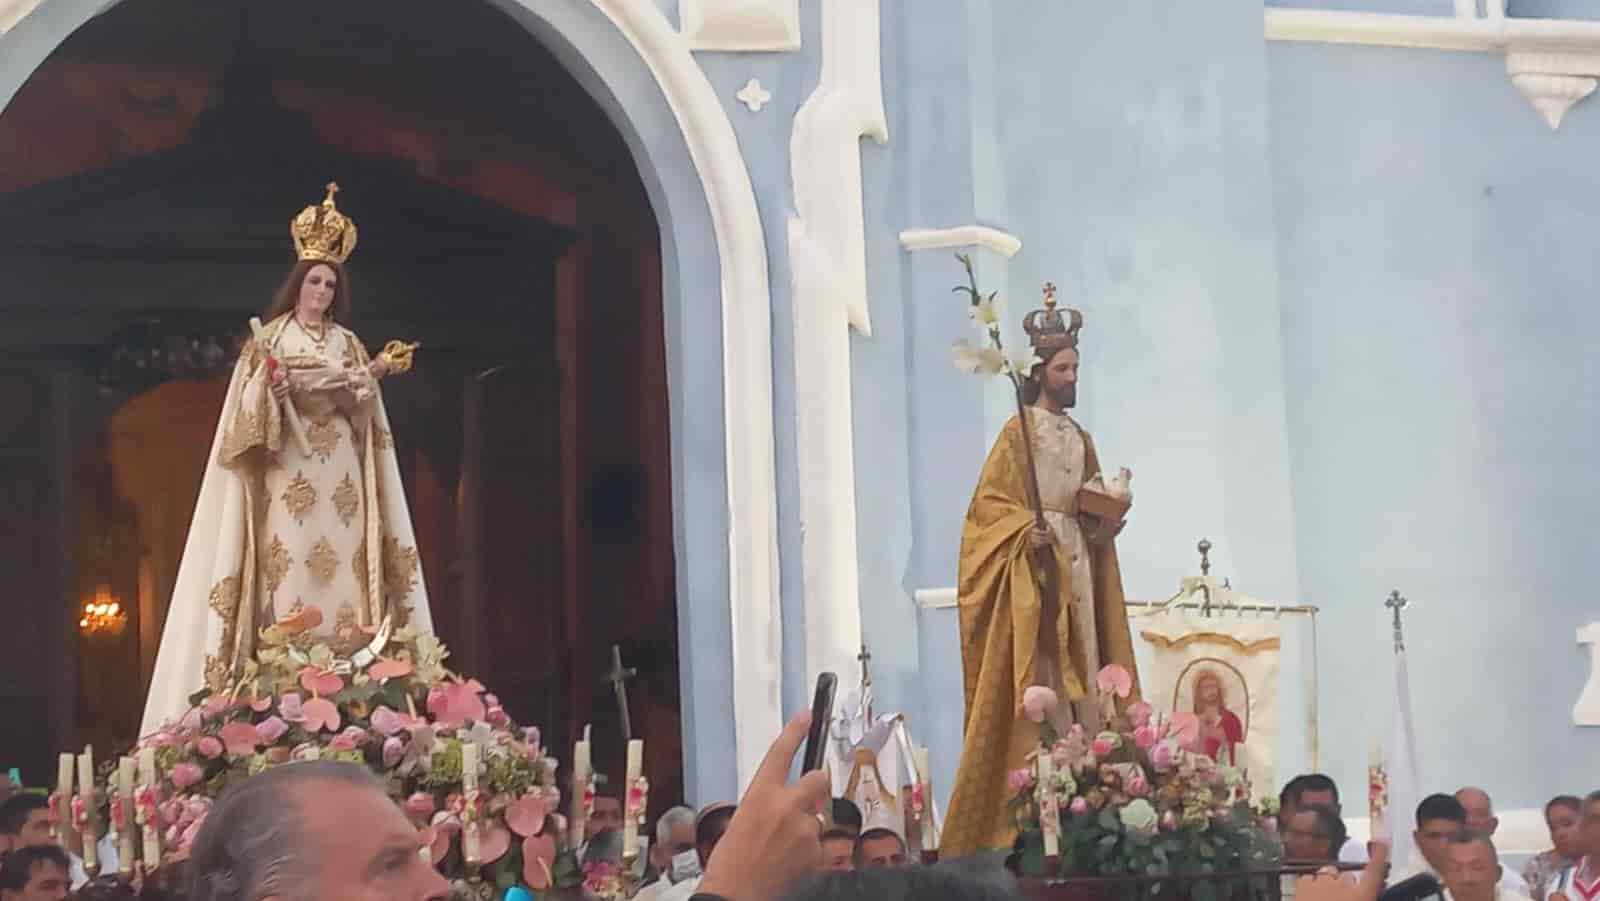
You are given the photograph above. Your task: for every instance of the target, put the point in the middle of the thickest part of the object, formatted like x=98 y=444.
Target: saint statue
x=1039 y=590
x=301 y=516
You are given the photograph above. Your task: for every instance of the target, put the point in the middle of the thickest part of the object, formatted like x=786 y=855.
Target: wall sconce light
x=103 y=615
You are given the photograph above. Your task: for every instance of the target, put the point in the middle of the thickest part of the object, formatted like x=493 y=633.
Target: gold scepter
x=396 y=355
x=290 y=414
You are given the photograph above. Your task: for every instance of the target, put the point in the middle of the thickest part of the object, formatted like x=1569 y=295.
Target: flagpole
x=1401 y=754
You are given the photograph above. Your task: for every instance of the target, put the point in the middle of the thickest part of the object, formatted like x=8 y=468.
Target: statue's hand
x=1039 y=537
x=1097 y=531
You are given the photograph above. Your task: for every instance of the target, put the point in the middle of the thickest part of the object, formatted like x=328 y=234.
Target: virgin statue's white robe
x=276 y=530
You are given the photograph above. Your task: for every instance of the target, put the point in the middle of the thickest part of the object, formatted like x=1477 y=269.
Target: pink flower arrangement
x=1020 y=779
x=1038 y=702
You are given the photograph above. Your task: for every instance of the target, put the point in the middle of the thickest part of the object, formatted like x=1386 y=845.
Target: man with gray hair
x=1472 y=870
x=307 y=832
x=1482 y=821
x=673 y=853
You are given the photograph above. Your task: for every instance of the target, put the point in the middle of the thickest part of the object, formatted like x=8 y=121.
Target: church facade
x=1335 y=270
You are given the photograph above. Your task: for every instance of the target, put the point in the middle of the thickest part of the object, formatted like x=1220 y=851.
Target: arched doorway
x=617 y=502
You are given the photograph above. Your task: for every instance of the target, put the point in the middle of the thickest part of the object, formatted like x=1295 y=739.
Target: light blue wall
x=1437 y=277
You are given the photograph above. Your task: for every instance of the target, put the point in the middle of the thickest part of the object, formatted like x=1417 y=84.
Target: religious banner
x=1221 y=667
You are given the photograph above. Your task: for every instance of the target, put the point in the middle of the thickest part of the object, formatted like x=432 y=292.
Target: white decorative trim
x=746 y=373
x=1587 y=711
x=14 y=11
x=935 y=598
x=753 y=95
x=1553 y=82
x=827 y=249
x=1554 y=63
x=1003 y=243
x=745 y=26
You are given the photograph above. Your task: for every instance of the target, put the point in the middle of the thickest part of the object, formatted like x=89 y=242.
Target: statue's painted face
x=1059 y=378
x=316 y=292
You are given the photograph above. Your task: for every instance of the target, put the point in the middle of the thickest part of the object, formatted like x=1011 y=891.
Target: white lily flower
x=984 y=313
x=1023 y=361
x=970 y=358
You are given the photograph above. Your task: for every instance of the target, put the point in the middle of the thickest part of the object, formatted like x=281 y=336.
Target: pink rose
x=496 y=716
x=1102 y=747
x=271 y=729
x=1079 y=806
x=209 y=748
x=1169 y=821
x=186 y=774
x=1139 y=714
x=1138 y=786
x=1145 y=737
x=1162 y=757
x=291 y=708
x=1020 y=779
x=1038 y=702
x=394 y=751
x=172 y=812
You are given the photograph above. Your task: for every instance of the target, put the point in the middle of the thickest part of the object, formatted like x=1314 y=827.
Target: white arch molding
x=756 y=647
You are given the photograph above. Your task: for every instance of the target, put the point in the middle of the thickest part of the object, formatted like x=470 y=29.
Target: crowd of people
x=329 y=830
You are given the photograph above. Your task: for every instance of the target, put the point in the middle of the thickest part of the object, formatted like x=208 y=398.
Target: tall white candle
x=66 y=766
x=630 y=817
x=86 y=795
x=580 y=786
x=123 y=822
x=469 y=788
x=1049 y=813
x=930 y=841
x=149 y=823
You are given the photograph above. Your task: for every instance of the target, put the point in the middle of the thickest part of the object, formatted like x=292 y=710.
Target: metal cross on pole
x=618 y=678
x=1397 y=603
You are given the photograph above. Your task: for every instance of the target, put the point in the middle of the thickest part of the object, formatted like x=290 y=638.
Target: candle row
x=132 y=809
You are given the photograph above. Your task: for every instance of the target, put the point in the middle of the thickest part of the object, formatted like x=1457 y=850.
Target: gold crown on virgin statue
x=322 y=233
x=1049 y=331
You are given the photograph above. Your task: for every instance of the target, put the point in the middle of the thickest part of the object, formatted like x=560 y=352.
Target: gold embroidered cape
x=1000 y=611
x=276 y=530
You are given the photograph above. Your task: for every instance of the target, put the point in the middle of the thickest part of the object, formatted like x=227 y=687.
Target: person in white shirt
x=1481 y=819
x=708 y=829
x=673 y=853
x=1472 y=870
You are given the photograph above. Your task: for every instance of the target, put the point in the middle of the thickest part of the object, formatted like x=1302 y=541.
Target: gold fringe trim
x=1222 y=638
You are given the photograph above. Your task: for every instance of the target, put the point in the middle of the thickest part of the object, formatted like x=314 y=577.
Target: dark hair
x=1296 y=788
x=288 y=294
x=1329 y=826
x=1440 y=807
x=872 y=835
x=838 y=834
x=709 y=830
x=1034 y=383
x=14 y=812
x=106 y=888
x=901 y=884
x=1569 y=801
x=16 y=869
x=846 y=813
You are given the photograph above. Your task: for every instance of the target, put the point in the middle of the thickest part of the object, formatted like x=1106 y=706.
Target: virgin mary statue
x=301 y=515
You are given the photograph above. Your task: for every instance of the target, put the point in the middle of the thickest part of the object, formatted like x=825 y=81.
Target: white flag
x=1400 y=757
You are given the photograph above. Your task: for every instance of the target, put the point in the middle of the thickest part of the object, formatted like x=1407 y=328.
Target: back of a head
x=1440 y=807
x=250 y=846
x=672 y=819
x=708 y=829
x=846 y=814
x=938 y=883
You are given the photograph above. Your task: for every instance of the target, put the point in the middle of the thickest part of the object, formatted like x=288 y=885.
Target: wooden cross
x=618 y=676
x=1396 y=603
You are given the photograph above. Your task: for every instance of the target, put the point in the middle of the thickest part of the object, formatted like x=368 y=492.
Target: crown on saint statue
x=322 y=233
x=1049 y=331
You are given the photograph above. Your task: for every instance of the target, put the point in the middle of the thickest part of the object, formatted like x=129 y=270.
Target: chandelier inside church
x=102 y=615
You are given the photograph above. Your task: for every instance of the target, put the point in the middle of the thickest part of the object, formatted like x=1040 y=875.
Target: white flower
x=981 y=360
x=984 y=313
x=1023 y=361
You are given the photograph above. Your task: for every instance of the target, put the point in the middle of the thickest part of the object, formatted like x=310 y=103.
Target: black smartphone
x=821 y=715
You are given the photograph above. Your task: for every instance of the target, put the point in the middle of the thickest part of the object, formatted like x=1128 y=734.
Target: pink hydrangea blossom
x=348 y=740
x=1145 y=737
x=1104 y=744
x=187 y=774
x=1138 y=786
x=1079 y=806
x=394 y=751
x=271 y=729
x=1020 y=779
x=1162 y=757
x=209 y=747
x=291 y=708
x=1139 y=714
x=1038 y=702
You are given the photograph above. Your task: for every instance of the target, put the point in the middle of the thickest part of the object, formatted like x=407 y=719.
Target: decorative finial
x=1204 y=547
x=1397 y=603
x=1049 y=295
x=333 y=188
